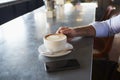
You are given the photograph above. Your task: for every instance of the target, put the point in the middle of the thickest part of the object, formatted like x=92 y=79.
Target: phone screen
x=61 y=65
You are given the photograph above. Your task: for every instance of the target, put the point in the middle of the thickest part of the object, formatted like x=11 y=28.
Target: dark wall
x=11 y=10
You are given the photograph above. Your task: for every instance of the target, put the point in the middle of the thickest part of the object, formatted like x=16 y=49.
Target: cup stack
x=60 y=9
x=50 y=8
x=54 y=8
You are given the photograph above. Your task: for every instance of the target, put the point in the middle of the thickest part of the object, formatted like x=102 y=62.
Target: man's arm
x=108 y=27
x=85 y=31
x=98 y=29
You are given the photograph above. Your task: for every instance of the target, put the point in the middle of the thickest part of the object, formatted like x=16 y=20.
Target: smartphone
x=61 y=65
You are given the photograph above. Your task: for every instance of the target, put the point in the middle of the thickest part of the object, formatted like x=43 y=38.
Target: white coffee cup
x=55 y=42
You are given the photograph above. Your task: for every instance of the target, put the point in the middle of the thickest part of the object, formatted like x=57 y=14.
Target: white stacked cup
x=61 y=2
x=60 y=9
x=50 y=7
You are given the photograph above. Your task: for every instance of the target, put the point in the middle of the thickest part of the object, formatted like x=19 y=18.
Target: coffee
x=55 y=37
x=55 y=42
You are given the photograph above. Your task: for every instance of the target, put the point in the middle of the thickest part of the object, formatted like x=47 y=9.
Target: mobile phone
x=60 y=65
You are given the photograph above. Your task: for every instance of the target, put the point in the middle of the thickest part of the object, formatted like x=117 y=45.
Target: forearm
x=87 y=31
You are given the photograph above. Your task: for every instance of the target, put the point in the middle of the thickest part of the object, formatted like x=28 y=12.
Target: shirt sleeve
x=108 y=27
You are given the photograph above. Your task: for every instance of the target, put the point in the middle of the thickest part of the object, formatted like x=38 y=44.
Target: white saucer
x=43 y=51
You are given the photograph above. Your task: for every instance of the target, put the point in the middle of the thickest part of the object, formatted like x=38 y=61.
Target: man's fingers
x=61 y=29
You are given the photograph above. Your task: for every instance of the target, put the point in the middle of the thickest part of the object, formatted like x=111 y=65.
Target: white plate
x=43 y=51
